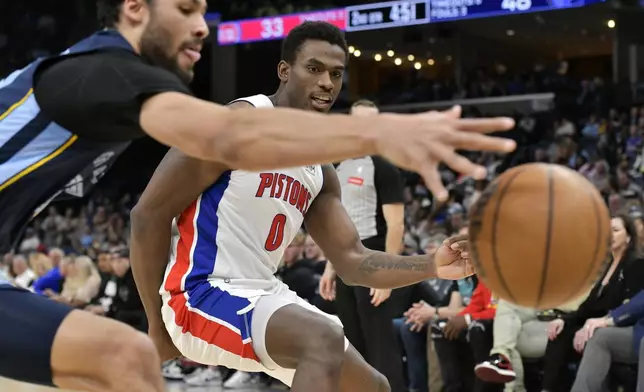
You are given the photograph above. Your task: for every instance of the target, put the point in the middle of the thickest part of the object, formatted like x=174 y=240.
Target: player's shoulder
x=104 y=65
x=84 y=63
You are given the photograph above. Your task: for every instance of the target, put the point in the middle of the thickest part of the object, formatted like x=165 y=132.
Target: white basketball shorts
x=211 y=326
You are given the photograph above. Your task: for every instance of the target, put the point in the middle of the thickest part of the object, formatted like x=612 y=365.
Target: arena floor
x=12 y=386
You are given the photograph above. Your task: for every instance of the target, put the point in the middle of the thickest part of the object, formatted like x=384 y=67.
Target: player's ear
x=135 y=10
x=283 y=71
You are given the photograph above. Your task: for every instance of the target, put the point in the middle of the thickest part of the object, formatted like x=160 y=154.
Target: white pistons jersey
x=234 y=235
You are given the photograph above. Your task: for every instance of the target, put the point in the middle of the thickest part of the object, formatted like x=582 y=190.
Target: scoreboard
x=386 y=15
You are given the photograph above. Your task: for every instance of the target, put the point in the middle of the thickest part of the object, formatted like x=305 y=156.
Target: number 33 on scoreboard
x=275 y=233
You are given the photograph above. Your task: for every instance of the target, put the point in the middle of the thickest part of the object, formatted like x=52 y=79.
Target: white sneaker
x=240 y=380
x=203 y=377
x=171 y=370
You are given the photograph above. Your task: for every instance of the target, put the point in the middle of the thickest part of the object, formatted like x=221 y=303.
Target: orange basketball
x=539 y=235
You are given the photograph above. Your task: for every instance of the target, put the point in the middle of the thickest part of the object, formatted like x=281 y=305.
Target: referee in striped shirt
x=372 y=194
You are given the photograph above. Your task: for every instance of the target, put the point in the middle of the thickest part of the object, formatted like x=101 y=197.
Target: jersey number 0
x=276 y=233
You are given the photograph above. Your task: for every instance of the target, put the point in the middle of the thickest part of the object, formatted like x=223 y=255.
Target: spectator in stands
x=81 y=284
x=52 y=281
x=102 y=302
x=564 y=128
x=31 y=242
x=5 y=267
x=314 y=255
x=633 y=144
x=127 y=306
x=23 y=275
x=465 y=339
x=297 y=273
x=518 y=333
x=617 y=338
x=40 y=264
x=413 y=328
x=622 y=280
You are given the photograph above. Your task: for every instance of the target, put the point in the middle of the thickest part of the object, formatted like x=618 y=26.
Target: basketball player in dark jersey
x=57 y=116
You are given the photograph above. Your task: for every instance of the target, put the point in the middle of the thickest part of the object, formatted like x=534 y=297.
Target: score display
x=386 y=15
x=390 y=14
x=274 y=27
x=447 y=10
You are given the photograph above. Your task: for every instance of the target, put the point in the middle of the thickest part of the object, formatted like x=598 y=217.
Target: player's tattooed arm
x=332 y=229
x=177 y=182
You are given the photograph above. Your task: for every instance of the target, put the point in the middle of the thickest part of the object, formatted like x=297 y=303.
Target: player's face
x=174 y=35
x=314 y=80
x=620 y=237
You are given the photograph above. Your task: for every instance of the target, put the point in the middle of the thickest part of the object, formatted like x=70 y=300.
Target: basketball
x=539 y=235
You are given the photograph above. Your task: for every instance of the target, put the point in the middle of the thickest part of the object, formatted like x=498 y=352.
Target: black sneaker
x=496 y=369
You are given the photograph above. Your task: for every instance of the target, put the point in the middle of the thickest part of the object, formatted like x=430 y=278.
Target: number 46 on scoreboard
x=516 y=5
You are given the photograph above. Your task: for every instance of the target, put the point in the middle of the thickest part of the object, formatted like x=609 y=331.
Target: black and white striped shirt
x=367 y=184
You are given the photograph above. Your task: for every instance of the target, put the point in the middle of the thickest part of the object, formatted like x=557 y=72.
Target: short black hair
x=108 y=12
x=320 y=31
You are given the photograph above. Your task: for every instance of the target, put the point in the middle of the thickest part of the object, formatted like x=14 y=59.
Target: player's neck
x=280 y=99
x=131 y=36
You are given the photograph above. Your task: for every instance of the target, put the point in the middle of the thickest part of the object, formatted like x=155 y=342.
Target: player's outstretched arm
x=177 y=182
x=267 y=139
x=330 y=226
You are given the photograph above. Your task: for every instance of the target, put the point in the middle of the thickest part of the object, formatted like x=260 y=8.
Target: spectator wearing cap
x=372 y=194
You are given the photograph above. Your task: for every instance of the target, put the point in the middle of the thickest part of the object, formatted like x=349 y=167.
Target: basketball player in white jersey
x=220 y=303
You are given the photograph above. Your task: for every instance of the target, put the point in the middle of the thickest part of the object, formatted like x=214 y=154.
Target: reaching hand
x=421 y=142
x=452 y=259
x=379 y=296
x=554 y=328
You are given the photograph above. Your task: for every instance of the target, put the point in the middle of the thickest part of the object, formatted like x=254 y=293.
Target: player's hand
x=327 y=283
x=421 y=142
x=162 y=341
x=452 y=259
x=454 y=327
x=379 y=296
x=554 y=328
